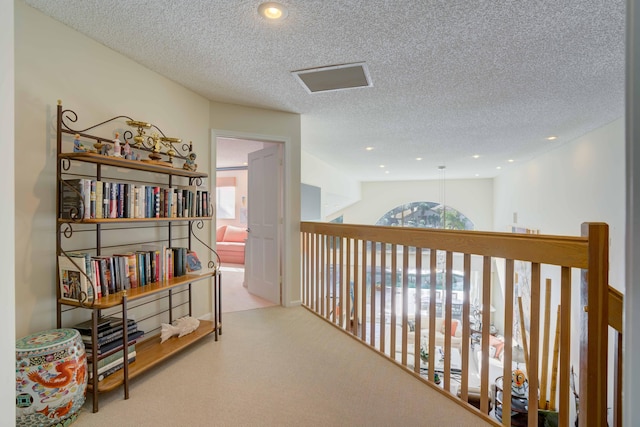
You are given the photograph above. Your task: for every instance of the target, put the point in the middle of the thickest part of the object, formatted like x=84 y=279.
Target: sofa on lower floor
x=456 y=332
x=230 y=244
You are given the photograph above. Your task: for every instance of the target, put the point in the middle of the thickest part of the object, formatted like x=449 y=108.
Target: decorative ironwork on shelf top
x=157 y=144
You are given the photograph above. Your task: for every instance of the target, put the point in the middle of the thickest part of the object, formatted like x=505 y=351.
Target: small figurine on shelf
x=77 y=145
x=116 y=146
x=189 y=163
x=104 y=149
x=127 y=151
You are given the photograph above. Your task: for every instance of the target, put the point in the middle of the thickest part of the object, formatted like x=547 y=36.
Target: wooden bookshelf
x=150 y=352
x=154 y=300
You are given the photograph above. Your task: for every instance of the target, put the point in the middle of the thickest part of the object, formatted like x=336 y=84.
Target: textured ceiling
x=450 y=78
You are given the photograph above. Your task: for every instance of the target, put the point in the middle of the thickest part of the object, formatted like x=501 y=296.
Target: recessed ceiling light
x=510 y=160
x=386 y=171
x=381 y=166
x=273 y=11
x=551 y=138
x=369 y=148
x=418 y=158
x=476 y=156
x=477 y=174
x=499 y=167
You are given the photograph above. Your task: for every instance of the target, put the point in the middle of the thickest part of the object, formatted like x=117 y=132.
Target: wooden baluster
x=466 y=292
x=333 y=268
x=446 y=306
x=534 y=344
x=486 y=320
x=405 y=302
x=323 y=274
x=356 y=287
x=394 y=281
x=363 y=308
x=544 y=404
x=417 y=324
x=347 y=283
x=554 y=364
x=383 y=297
x=372 y=298
x=433 y=261
x=508 y=343
x=565 y=346
x=317 y=273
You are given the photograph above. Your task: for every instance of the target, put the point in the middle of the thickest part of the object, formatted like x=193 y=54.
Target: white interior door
x=262 y=266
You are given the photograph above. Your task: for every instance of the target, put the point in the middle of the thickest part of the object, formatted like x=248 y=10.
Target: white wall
x=7 y=232
x=259 y=124
x=55 y=62
x=473 y=198
x=582 y=181
x=338 y=190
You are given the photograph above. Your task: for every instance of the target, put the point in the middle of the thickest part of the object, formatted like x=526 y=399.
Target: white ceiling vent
x=334 y=77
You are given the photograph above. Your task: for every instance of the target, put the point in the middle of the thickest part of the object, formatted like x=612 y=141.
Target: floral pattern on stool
x=51 y=378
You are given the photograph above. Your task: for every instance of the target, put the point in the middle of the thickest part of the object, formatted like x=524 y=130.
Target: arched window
x=426 y=215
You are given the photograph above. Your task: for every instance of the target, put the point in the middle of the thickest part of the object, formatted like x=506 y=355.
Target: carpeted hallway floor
x=277 y=367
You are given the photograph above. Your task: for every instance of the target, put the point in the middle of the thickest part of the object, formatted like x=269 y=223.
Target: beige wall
x=241 y=180
x=54 y=62
x=259 y=124
x=7 y=232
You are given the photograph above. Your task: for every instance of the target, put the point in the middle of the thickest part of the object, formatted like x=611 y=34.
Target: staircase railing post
x=593 y=333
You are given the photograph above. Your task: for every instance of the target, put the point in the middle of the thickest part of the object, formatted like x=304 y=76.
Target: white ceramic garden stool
x=51 y=378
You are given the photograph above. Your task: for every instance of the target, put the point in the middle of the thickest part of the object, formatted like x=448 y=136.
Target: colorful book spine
x=92 y=199
x=113 y=200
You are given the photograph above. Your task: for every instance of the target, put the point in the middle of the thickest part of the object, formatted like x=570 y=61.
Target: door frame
x=285 y=291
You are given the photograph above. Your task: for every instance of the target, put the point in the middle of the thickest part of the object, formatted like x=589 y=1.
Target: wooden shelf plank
x=142 y=291
x=131 y=220
x=130 y=164
x=150 y=352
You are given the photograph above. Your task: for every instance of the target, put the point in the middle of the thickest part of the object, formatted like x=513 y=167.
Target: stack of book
x=110 y=345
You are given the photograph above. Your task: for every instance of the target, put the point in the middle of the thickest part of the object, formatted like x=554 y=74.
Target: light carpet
x=277 y=367
x=235 y=297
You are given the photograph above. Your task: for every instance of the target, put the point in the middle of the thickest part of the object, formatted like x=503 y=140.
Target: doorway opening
x=235 y=241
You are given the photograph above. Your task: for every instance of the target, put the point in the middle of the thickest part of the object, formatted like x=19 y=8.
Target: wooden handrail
x=616 y=301
x=544 y=249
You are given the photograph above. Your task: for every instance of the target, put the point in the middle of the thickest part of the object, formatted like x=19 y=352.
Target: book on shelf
x=110 y=336
x=99 y=199
x=112 y=363
x=111 y=371
x=72 y=200
x=115 y=345
x=112 y=367
x=105 y=325
x=113 y=200
x=193 y=263
x=179 y=261
x=118 y=356
x=73 y=280
x=107 y=278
